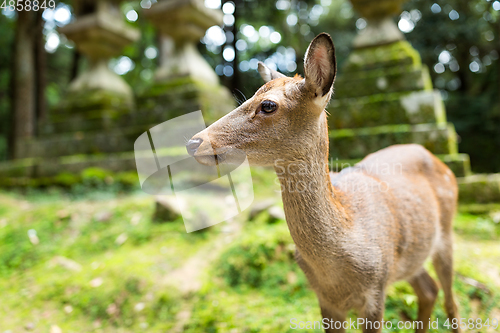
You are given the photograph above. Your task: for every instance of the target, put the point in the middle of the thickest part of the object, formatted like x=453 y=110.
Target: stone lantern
x=100 y=33
x=182 y=69
x=384 y=95
x=181 y=24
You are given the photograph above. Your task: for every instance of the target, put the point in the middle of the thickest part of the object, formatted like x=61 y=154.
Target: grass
x=102 y=265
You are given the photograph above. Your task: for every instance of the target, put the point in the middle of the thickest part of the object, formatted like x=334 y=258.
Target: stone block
x=458 y=163
x=117 y=140
x=480 y=188
x=214 y=101
x=396 y=54
x=378 y=81
x=357 y=143
x=166 y=209
x=387 y=109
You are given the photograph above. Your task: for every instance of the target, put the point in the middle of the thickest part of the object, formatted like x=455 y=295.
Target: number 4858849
x=469 y=324
x=26 y=5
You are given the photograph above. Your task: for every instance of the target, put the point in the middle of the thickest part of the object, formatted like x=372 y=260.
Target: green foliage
x=95 y=176
x=472 y=97
x=263 y=258
x=253 y=284
x=255 y=255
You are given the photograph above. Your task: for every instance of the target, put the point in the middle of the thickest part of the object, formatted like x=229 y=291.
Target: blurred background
x=458 y=41
x=82 y=249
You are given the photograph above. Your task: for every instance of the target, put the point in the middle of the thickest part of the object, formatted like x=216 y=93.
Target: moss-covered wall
x=98 y=129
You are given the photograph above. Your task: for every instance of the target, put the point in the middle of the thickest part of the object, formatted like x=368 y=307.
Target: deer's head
x=285 y=118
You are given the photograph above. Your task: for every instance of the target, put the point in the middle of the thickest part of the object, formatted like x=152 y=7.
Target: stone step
x=377 y=81
x=51 y=171
x=396 y=54
x=420 y=107
x=43 y=167
x=91 y=121
x=344 y=143
x=155 y=105
x=357 y=143
x=479 y=188
x=103 y=142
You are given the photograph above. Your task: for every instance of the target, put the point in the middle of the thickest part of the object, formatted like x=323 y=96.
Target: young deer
x=356 y=231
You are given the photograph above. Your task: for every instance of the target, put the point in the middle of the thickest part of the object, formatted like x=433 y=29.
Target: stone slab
x=419 y=107
x=479 y=188
x=357 y=143
x=378 y=81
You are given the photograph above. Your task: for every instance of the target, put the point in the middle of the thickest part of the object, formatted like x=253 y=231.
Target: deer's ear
x=267 y=73
x=320 y=65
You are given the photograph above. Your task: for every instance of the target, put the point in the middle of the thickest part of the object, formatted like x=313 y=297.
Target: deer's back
x=402 y=200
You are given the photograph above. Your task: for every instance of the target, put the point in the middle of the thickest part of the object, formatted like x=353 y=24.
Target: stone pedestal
x=100 y=34
x=384 y=95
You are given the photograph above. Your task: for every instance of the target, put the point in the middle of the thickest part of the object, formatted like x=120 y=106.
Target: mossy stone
x=387 y=109
x=479 y=188
x=400 y=53
x=357 y=143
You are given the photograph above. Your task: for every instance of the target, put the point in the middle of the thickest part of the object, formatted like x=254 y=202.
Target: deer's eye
x=268 y=106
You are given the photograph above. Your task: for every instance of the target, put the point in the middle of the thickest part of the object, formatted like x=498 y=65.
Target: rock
x=96 y=282
x=103 y=216
x=112 y=309
x=495 y=216
x=33 y=237
x=291 y=277
x=139 y=307
x=136 y=218
x=29 y=327
x=63 y=214
x=276 y=213
x=67 y=263
x=55 y=329
x=166 y=209
x=260 y=206
x=122 y=238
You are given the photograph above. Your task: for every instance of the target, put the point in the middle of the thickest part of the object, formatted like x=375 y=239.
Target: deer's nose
x=193 y=145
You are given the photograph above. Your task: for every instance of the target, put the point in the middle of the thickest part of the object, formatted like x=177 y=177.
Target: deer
x=356 y=231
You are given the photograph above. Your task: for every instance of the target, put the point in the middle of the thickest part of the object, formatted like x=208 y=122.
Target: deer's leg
x=443 y=264
x=426 y=289
x=332 y=316
x=373 y=314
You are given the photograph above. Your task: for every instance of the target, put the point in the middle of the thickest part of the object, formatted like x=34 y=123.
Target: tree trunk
x=40 y=65
x=24 y=79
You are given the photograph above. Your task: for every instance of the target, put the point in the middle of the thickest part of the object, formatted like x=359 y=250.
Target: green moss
x=386 y=109
x=400 y=53
x=357 y=143
x=458 y=163
x=248 y=262
x=94 y=100
x=378 y=81
x=213 y=100
x=479 y=188
x=66 y=179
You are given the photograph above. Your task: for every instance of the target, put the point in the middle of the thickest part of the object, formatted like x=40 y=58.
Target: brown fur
x=359 y=230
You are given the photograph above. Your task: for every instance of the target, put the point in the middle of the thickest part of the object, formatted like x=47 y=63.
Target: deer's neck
x=313 y=207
